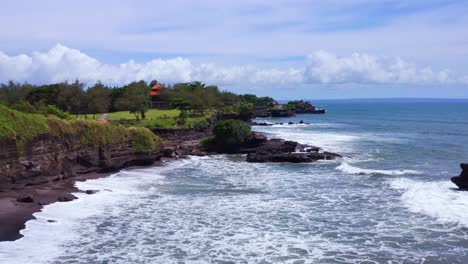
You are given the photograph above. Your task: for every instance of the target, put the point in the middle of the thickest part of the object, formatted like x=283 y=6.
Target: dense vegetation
x=299 y=106
x=75 y=98
x=25 y=127
x=61 y=109
x=228 y=133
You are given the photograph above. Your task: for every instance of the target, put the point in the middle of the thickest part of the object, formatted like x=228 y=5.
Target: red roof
x=156 y=89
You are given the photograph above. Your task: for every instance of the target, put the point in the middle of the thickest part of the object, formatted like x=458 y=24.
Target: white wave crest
x=346 y=168
x=436 y=199
x=329 y=141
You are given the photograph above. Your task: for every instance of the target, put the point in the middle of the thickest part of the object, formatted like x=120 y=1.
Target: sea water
x=388 y=200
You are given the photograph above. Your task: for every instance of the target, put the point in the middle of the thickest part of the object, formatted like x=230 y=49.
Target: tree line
x=78 y=99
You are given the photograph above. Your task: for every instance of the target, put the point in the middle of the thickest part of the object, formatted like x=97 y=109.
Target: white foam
x=298 y=125
x=436 y=199
x=327 y=140
x=44 y=240
x=346 y=168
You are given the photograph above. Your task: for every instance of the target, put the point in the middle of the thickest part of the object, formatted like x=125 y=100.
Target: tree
x=98 y=99
x=135 y=99
x=180 y=103
x=13 y=92
x=72 y=97
x=231 y=132
x=48 y=94
x=182 y=118
x=153 y=83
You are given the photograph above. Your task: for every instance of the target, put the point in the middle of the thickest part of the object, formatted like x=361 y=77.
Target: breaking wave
x=346 y=168
x=436 y=199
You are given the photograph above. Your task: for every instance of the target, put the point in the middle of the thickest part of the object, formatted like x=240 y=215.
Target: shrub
x=24 y=106
x=200 y=125
x=53 y=110
x=142 y=139
x=41 y=108
x=182 y=118
x=96 y=134
x=231 y=132
x=208 y=141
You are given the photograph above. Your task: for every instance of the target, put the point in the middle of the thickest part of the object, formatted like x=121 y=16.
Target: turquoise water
x=389 y=200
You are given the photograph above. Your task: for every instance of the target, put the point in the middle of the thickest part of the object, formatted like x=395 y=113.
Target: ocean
x=389 y=200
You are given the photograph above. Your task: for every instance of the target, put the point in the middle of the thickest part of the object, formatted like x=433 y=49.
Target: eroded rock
x=462 y=180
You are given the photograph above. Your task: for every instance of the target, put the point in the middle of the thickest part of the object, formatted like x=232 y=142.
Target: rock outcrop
x=277 y=150
x=462 y=180
x=303 y=107
x=50 y=158
x=260 y=149
x=282 y=113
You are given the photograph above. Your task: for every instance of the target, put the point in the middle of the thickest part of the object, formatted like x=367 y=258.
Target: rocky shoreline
x=47 y=172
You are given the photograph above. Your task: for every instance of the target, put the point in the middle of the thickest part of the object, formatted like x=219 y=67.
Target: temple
x=156 y=100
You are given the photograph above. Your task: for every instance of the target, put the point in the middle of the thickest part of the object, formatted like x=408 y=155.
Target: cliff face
x=48 y=158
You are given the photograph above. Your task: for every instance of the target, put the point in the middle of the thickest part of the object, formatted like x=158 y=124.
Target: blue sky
x=289 y=49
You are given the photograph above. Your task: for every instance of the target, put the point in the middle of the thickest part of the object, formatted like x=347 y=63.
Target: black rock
x=66 y=198
x=312 y=149
x=261 y=124
x=289 y=157
x=25 y=199
x=282 y=113
x=462 y=180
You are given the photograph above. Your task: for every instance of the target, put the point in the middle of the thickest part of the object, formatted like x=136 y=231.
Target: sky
x=287 y=49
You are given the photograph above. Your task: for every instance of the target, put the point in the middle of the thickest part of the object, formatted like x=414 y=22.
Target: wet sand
x=14 y=214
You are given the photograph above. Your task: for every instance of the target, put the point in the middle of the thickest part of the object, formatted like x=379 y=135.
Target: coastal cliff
x=36 y=149
x=41 y=158
x=48 y=158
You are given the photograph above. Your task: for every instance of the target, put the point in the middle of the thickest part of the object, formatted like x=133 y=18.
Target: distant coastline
x=387 y=100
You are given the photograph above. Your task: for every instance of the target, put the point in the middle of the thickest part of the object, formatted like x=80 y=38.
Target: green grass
x=88 y=117
x=151 y=114
x=158 y=119
x=21 y=127
x=24 y=127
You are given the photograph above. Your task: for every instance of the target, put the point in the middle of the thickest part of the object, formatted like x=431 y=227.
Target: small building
x=156 y=97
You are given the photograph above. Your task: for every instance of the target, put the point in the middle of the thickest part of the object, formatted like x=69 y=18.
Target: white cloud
x=324 y=67
x=62 y=63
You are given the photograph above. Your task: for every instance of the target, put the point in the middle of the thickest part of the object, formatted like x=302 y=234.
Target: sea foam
x=436 y=199
x=56 y=224
x=346 y=168
x=331 y=141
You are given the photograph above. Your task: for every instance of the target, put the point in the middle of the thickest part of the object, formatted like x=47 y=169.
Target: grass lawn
x=151 y=114
x=88 y=117
x=156 y=118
